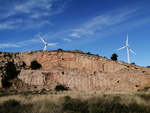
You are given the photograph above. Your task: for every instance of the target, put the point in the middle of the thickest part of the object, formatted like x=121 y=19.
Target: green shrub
x=133 y=63
x=35 y=65
x=145 y=96
x=59 y=49
x=97 y=110
x=11 y=72
x=75 y=106
x=146 y=89
x=11 y=103
x=13 y=106
x=114 y=56
x=6 y=83
x=61 y=88
x=10 y=106
x=88 y=53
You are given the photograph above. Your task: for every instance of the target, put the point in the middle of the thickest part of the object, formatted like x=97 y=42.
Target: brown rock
x=78 y=71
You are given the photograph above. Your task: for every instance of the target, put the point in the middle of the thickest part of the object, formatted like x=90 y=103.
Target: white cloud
x=30 y=11
x=10 y=24
x=66 y=39
x=102 y=22
x=37 y=15
x=32 y=41
x=35 y=25
x=28 y=24
x=76 y=35
x=8 y=45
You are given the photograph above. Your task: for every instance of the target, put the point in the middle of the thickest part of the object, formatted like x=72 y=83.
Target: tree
x=61 y=88
x=35 y=65
x=133 y=63
x=11 y=72
x=114 y=57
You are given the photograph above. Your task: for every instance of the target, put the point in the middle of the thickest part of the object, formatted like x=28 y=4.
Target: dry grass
x=44 y=103
x=56 y=97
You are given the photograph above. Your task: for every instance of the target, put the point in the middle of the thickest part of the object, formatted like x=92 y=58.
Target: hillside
x=74 y=69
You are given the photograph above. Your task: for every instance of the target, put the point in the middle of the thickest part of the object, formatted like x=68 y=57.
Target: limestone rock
x=76 y=70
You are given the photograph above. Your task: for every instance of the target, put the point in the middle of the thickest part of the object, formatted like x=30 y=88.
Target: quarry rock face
x=76 y=70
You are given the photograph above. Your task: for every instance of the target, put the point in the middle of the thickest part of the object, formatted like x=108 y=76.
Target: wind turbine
x=128 y=49
x=46 y=44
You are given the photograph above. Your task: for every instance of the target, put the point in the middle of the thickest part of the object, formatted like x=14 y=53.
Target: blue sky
x=96 y=26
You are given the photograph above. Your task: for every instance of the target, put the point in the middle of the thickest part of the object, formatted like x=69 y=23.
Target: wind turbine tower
x=128 y=49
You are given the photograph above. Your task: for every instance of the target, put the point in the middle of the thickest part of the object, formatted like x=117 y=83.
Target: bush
x=11 y=72
x=35 y=65
x=13 y=106
x=75 y=106
x=10 y=106
x=6 y=83
x=145 y=96
x=133 y=63
x=88 y=53
x=59 y=49
x=97 y=110
x=114 y=57
x=61 y=88
x=11 y=103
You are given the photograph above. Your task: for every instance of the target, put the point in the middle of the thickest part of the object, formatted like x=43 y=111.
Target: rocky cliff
x=74 y=69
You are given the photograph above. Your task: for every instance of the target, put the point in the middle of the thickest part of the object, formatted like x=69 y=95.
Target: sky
x=95 y=26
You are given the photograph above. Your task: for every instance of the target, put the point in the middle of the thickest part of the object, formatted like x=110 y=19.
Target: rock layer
x=78 y=71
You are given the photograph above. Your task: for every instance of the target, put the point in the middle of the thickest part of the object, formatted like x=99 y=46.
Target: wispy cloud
x=102 y=22
x=32 y=41
x=67 y=40
x=21 y=24
x=10 y=24
x=76 y=35
x=93 y=27
x=31 y=12
x=8 y=45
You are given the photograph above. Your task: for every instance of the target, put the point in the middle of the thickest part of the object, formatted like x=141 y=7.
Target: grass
x=76 y=102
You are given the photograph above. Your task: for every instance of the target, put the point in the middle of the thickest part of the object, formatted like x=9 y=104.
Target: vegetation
x=145 y=96
x=35 y=65
x=60 y=103
x=74 y=106
x=88 y=53
x=13 y=106
x=11 y=72
x=133 y=63
x=59 y=49
x=61 y=88
x=114 y=57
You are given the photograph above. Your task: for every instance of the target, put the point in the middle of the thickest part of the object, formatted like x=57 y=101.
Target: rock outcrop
x=76 y=70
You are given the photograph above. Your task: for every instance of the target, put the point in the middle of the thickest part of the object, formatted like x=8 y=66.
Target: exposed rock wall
x=78 y=71
x=72 y=61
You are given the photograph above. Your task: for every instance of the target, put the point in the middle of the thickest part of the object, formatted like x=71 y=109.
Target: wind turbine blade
x=127 y=40
x=42 y=40
x=52 y=44
x=132 y=51
x=121 y=48
x=45 y=48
